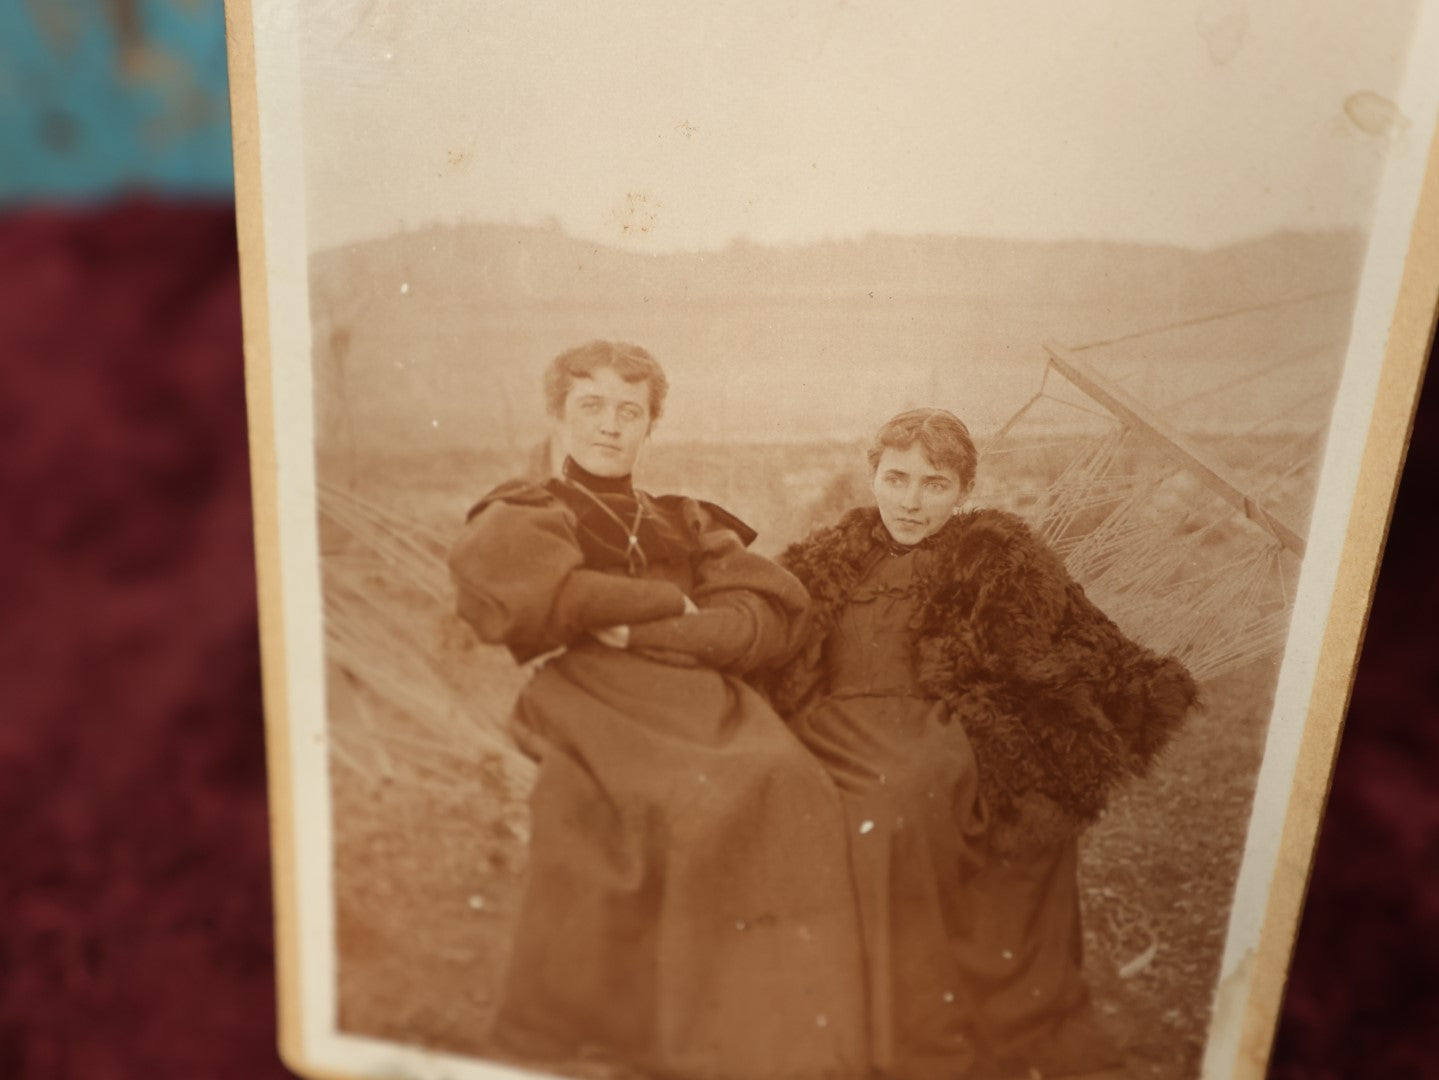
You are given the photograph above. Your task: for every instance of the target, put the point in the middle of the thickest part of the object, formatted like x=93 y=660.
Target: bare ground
x=428 y=876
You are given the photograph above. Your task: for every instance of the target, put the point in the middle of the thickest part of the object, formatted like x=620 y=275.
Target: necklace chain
x=635 y=556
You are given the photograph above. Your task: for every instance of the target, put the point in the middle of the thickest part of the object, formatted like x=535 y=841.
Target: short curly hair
x=940 y=434
x=629 y=362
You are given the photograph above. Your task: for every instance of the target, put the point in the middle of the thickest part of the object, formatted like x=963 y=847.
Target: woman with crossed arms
x=687 y=910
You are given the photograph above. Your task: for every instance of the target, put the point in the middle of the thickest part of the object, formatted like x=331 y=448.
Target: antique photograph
x=805 y=532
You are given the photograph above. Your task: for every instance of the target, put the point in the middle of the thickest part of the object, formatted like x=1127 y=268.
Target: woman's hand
x=616 y=637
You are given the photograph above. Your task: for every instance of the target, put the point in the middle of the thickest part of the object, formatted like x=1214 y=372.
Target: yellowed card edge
x=1406 y=353
x=259 y=397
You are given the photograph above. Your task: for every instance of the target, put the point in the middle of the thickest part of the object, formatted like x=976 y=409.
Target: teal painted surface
x=102 y=96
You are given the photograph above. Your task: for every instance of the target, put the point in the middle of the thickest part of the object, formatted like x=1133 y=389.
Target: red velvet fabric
x=1363 y=996
x=134 y=900
x=135 y=937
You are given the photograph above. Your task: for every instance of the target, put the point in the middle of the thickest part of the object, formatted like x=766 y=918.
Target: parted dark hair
x=942 y=435
x=629 y=362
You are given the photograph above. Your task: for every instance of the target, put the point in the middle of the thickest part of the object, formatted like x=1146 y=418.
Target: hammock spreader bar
x=1211 y=473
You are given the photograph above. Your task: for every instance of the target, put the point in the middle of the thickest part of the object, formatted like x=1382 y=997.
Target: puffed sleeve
x=521 y=581
x=751 y=610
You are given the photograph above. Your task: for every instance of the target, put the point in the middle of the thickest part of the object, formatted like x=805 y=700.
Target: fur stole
x=1059 y=705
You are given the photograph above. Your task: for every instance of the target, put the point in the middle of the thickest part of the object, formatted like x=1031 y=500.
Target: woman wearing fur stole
x=976 y=711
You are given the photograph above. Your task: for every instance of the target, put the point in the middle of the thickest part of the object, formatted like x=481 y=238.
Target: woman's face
x=915 y=496
x=605 y=423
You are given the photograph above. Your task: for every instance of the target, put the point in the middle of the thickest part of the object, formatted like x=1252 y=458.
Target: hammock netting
x=1183 y=563
x=416 y=698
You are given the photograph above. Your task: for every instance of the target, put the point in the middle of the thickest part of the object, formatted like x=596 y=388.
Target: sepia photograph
x=803 y=540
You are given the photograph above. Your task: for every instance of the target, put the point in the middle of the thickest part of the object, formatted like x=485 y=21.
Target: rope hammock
x=1187 y=534
x=413 y=705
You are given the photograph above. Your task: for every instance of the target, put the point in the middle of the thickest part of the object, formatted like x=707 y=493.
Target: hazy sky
x=664 y=125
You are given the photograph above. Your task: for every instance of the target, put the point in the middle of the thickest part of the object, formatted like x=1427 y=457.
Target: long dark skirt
x=688 y=908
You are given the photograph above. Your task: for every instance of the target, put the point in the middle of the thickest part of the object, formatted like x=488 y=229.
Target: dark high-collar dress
x=976 y=711
x=687 y=910
x=909 y=783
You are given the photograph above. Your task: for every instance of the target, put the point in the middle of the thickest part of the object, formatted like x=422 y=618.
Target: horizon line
x=741 y=242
